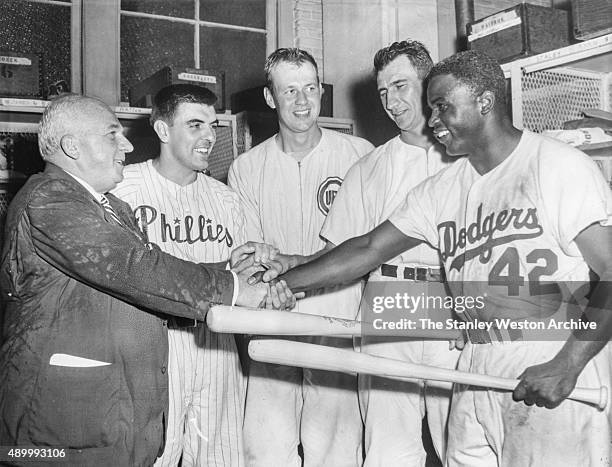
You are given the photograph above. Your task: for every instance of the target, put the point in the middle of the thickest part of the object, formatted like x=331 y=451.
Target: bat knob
x=603 y=398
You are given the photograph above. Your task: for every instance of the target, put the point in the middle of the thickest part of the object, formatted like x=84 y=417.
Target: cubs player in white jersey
x=194 y=217
x=372 y=190
x=521 y=211
x=287 y=185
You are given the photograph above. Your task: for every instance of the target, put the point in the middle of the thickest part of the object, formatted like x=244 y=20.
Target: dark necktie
x=109 y=209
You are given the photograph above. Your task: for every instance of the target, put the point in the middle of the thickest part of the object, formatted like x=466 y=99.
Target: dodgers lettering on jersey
x=494 y=228
x=510 y=233
x=185 y=229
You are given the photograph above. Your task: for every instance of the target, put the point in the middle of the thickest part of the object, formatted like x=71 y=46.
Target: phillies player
x=287 y=185
x=522 y=211
x=197 y=218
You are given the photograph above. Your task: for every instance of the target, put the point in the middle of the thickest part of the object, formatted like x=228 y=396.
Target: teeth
x=202 y=150
x=301 y=112
x=442 y=133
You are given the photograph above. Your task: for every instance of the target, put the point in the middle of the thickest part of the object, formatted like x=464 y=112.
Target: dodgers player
x=373 y=188
x=287 y=185
x=500 y=216
x=194 y=217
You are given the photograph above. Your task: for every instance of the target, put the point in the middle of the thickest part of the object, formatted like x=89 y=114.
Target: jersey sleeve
x=575 y=196
x=347 y=217
x=241 y=181
x=240 y=223
x=365 y=147
x=415 y=217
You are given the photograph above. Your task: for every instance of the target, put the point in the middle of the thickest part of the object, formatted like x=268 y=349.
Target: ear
x=70 y=146
x=269 y=98
x=321 y=89
x=161 y=128
x=486 y=101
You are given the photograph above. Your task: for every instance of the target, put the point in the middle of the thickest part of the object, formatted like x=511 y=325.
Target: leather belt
x=484 y=336
x=424 y=274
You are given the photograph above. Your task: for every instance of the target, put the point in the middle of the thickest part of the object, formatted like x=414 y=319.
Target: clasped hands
x=257 y=266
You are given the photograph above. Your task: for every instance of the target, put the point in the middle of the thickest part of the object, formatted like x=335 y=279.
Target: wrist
x=572 y=357
x=296 y=260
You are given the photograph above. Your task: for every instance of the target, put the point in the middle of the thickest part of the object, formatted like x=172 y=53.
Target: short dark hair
x=168 y=99
x=477 y=71
x=415 y=51
x=290 y=55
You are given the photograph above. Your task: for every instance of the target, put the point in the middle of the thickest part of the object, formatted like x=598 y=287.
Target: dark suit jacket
x=79 y=284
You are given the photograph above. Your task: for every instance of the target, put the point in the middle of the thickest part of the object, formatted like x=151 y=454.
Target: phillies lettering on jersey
x=186 y=230
x=524 y=221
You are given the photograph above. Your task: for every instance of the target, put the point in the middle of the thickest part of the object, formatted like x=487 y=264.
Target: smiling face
x=190 y=137
x=102 y=148
x=296 y=96
x=455 y=115
x=401 y=94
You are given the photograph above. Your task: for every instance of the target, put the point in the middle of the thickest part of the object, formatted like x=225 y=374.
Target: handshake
x=257 y=266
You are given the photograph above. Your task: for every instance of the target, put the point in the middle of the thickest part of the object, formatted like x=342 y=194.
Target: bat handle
x=595 y=396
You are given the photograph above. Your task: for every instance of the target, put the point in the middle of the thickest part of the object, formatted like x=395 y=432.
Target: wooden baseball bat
x=321 y=357
x=240 y=320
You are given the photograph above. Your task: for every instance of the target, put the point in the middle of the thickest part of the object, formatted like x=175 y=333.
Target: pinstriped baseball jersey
x=200 y=222
x=286 y=202
x=375 y=186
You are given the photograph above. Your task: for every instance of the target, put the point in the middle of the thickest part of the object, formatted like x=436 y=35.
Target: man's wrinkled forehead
x=398 y=69
x=93 y=121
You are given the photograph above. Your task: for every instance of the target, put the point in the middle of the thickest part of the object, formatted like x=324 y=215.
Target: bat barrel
x=241 y=320
x=332 y=359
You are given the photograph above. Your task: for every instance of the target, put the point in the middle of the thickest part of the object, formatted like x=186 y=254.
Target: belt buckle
x=182 y=322
x=421 y=274
x=478 y=336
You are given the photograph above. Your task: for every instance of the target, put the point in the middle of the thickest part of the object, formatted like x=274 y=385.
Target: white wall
x=353 y=30
x=351 y=33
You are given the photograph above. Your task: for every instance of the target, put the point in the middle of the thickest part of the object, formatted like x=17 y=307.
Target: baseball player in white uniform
x=197 y=218
x=373 y=188
x=287 y=185
x=520 y=212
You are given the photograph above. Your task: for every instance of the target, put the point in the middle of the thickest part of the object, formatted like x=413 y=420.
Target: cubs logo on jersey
x=326 y=193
